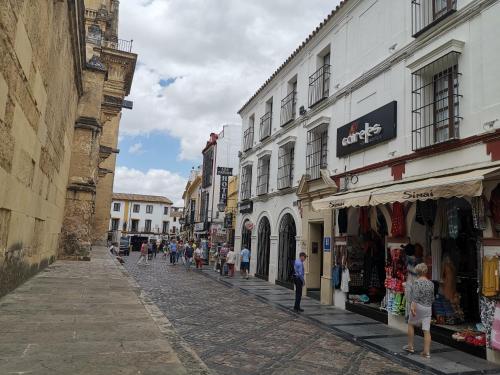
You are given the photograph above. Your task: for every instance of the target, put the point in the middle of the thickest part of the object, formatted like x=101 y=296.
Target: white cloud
x=136 y=149
x=154 y=182
x=219 y=53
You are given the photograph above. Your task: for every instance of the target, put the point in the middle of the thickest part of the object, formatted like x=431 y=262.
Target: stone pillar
x=109 y=140
x=81 y=190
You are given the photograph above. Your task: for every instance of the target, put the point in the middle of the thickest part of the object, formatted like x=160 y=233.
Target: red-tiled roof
x=297 y=50
x=141 y=198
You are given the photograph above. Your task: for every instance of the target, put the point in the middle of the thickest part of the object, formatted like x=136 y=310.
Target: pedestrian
x=231 y=260
x=421 y=298
x=222 y=257
x=155 y=249
x=188 y=255
x=298 y=280
x=181 y=248
x=150 y=250
x=197 y=257
x=245 y=262
x=161 y=249
x=144 y=253
x=173 y=252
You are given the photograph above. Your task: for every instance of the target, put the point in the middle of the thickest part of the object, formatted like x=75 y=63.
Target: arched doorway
x=246 y=236
x=263 y=249
x=286 y=251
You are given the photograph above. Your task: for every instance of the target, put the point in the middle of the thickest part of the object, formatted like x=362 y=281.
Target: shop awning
x=465 y=184
x=341 y=200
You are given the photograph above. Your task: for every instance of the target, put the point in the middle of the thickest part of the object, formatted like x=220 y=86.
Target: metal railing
x=119 y=45
x=265 y=126
x=288 y=104
x=319 y=85
x=248 y=139
x=426 y=13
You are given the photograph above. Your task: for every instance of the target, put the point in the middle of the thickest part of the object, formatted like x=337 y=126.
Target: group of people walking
x=176 y=251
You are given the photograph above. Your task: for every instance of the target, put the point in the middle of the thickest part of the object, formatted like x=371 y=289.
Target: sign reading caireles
x=375 y=127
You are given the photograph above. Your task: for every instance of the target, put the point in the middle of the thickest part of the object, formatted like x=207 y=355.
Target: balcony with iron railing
x=288 y=105
x=319 y=85
x=119 y=44
x=427 y=13
x=265 y=126
x=248 y=139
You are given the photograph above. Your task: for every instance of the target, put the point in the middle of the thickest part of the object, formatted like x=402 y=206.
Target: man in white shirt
x=231 y=260
x=197 y=257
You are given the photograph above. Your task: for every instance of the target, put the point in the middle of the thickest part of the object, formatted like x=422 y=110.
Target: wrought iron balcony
x=319 y=85
x=120 y=45
x=248 y=139
x=265 y=126
x=426 y=13
x=288 y=105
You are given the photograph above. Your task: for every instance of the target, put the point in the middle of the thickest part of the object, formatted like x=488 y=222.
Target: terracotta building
x=61 y=95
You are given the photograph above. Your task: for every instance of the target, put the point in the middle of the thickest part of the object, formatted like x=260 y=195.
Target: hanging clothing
x=495 y=207
x=344 y=285
x=364 y=220
x=436 y=254
x=398 y=228
x=336 y=276
x=381 y=224
x=453 y=219
x=487 y=307
x=495 y=332
x=426 y=212
x=342 y=220
x=478 y=213
x=490 y=276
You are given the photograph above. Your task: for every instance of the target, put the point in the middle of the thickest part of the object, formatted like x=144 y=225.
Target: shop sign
x=371 y=129
x=228 y=220
x=224 y=182
x=199 y=227
x=246 y=207
x=224 y=171
x=327 y=244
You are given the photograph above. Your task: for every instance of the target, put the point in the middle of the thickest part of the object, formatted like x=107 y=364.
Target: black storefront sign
x=228 y=220
x=224 y=171
x=371 y=129
x=224 y=182
x=246 y=207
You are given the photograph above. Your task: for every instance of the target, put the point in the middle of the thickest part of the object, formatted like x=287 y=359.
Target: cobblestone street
x=234 y=333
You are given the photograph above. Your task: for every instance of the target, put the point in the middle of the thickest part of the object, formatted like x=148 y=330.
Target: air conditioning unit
x=302 y=110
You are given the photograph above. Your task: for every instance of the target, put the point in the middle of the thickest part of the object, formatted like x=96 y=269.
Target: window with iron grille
x=317 y=151
x=135 y=226
x=319 y=83
x=115 y=224
x=147 y=226
x=204 y=206
x=263 y=175
x=285 y=165
x=136 y=208
x=246 y=182
x=288 y=105
x=149 y=209
x=192 y=211
x=116 y=207
x=427 y=13
x=248 y=134
x=436 y=102
x=208 y=166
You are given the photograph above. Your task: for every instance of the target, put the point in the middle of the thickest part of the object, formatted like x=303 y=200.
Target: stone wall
x=39 y=92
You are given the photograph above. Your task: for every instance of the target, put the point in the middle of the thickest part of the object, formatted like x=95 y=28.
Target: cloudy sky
x=199 y=61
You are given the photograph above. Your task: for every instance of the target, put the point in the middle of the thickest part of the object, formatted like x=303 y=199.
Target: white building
x=219 y=156
x=385 y=105
x=143 y=217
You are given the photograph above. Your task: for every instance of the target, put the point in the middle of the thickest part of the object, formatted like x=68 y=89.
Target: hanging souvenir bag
x=495 y=331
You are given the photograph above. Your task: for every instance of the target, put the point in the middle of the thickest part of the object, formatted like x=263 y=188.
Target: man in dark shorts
x=245 y=262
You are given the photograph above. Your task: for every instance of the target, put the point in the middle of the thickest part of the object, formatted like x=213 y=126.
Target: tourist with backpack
x=188 y=255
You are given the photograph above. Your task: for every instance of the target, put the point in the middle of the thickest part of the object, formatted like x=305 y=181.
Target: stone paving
x=235 y=333
x=88 y=318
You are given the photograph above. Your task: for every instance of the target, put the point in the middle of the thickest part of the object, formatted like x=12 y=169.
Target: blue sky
x=156 y=150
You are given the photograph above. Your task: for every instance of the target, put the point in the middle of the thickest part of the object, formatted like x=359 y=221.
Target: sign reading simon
x=375 y=127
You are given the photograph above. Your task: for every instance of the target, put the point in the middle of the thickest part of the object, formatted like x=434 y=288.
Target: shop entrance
x=246 y=235
x=286 y=251
x=316 y=233
x=263 y=249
